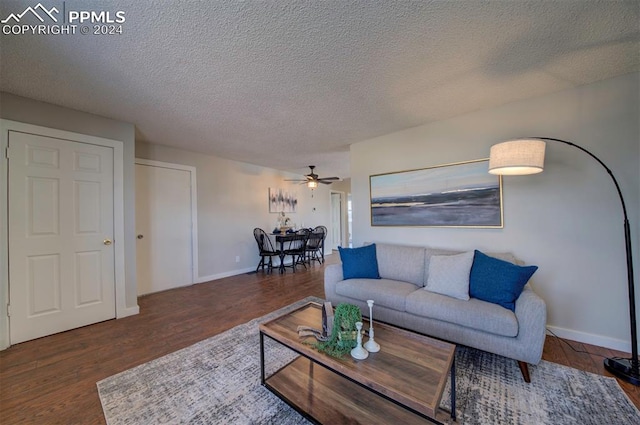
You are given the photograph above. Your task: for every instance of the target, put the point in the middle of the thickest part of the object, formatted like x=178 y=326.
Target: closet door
x=165 y=226
x=61 y=226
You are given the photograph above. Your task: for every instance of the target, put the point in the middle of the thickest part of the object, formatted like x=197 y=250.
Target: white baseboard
x=129 y=311
x=4 y=342
x=202 y=279
x=587 y=338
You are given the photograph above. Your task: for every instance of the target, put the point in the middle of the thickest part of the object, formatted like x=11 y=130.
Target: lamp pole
x=626 y=369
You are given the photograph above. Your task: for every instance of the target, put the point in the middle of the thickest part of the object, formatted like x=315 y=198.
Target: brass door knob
x=107 y=242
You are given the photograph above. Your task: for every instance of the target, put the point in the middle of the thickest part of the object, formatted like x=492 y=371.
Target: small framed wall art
x=281 y=200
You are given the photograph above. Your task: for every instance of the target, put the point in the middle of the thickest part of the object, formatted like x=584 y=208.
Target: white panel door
x=61 y=224
x=164 y=257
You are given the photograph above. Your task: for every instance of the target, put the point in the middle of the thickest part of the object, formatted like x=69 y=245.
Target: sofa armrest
x=531 y=312
x=332 y=275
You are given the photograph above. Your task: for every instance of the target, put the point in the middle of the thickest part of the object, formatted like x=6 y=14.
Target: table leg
x=261 y=358
x=281 y=256
x=453 y=389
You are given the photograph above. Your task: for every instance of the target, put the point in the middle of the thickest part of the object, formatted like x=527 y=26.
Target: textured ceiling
x=285 y=84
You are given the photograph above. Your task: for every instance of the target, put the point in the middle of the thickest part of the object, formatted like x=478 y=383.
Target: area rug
x=217 y=381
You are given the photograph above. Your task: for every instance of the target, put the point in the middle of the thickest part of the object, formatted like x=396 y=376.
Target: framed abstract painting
x=281 y=200
x=463 y=194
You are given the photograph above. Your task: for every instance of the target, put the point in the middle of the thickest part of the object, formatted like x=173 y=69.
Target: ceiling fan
x=312 y=179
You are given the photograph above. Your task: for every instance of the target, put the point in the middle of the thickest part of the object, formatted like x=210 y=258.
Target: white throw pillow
x=449 y=275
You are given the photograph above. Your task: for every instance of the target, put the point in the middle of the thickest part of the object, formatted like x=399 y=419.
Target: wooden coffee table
x=401 y=384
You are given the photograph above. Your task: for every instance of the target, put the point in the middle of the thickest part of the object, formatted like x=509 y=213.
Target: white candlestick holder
x=359 y=352
x=371 y=346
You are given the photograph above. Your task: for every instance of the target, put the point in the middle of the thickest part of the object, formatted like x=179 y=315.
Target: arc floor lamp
x=526 y=156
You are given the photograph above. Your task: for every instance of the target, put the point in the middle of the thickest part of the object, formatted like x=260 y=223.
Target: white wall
x=232 y=201
x=567 y=220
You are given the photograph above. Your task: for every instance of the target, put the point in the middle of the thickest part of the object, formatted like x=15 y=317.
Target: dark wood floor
x=53 y=379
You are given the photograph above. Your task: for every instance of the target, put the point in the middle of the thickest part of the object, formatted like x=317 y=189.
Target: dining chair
x=296 y=248
x=266 y=249
x=314 y=245
x=324 y=238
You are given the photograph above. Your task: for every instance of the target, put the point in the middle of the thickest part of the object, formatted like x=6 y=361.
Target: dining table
x=281 y=239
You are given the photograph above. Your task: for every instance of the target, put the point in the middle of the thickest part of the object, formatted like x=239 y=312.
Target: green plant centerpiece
x=343 y=334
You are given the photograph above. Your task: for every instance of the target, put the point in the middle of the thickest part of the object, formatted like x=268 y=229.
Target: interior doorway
x=349 y=221
x=336 y=220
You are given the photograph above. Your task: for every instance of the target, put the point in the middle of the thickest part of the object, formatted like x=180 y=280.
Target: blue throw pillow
x=359 y=262
x=497 y=281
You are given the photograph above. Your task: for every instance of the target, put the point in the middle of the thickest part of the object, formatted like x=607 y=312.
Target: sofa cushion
x=359 y=262
x=398 y=262
x=498 y=281
x=385 y=292
x=474 y=313
x=429 y=253
x=449 y=275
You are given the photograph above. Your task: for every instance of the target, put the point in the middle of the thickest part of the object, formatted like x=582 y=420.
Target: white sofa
x=401 y=300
